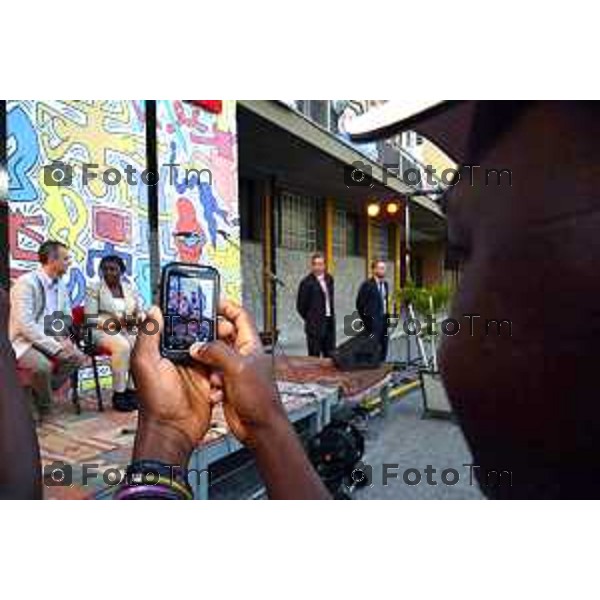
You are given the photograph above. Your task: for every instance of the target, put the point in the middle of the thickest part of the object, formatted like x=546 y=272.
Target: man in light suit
x=39 y=326
x=372 y=304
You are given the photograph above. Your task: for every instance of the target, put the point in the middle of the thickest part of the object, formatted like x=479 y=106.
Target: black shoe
x=132 y=397
x=121 y=401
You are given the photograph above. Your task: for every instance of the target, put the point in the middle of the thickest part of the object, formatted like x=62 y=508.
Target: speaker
x=435 y=399
x=360 y=352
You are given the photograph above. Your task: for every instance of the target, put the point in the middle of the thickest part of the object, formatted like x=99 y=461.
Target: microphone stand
x=276 y=348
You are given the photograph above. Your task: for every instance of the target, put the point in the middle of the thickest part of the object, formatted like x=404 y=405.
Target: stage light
x=373 y=209
x=392 y=208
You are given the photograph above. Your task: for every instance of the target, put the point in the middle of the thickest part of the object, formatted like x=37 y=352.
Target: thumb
x=217 y=355
x=148 y=337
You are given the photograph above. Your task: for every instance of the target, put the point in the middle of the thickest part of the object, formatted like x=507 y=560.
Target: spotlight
x=392 y=208
x=373 y=209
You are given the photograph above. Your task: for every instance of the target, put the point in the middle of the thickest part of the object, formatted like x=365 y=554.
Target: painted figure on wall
x=198 y=192
x=88 y=214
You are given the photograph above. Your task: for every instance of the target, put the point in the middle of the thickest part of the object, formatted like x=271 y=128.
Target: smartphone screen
x=189 y=298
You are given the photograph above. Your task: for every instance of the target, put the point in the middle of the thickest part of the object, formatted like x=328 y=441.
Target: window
x=411 y=172
x=298 y=222
x=416 y=270
x=340 y=233
x=381 y=243
x=352 y=225
x=319 y=112
x=250 y=210
x=316 y=110
x=345 y=234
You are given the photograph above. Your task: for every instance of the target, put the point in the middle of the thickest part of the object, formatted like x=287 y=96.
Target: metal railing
x=397 y=160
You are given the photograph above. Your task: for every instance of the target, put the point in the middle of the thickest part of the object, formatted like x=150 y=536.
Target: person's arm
x=20 y=470
x=24 y=322
x=284 y=466
x=139 y=304
x=361 y=298
x=302 y=299
x=92 y=304
x=253 y=408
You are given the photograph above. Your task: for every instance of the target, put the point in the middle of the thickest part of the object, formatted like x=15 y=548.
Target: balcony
x=331 y=115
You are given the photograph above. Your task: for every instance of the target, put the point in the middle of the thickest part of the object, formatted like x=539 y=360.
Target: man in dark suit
x=315 y=305
x=372 y=304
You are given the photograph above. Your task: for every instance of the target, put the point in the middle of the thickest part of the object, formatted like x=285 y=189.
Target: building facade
x=253 y=188
x=297 y=197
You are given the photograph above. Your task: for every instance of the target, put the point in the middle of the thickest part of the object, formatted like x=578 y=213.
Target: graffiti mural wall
x=94 y=217
x=198 y=188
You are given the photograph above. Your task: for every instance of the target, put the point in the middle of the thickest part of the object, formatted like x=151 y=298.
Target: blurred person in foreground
x=526 y=228
x=20 y=468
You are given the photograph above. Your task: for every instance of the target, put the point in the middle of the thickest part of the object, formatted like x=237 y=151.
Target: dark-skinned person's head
x=111 y=268
x=525 y=390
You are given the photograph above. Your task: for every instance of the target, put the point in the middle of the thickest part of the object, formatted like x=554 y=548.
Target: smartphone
x=189 y=295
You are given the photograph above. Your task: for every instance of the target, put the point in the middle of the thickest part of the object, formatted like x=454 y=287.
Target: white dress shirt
x=383 y=293
x=321 y=280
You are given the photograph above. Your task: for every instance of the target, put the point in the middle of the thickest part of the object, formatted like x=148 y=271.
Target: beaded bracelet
x=160 y=468
x=168 y=482
x=146 y=492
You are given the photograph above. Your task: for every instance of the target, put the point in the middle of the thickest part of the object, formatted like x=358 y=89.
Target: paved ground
x=405 y=438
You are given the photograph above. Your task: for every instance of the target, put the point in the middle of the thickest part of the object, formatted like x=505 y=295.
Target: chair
x=84 y=342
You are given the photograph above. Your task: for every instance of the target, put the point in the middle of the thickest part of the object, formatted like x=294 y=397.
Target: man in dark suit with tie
x=315 y=304
x=372 y=304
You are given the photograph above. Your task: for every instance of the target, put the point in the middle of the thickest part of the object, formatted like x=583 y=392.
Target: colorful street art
x=93 y=218
x=198 y=188
x=107 y=214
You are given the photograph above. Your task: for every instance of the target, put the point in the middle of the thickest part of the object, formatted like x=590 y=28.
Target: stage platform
x=310 y=388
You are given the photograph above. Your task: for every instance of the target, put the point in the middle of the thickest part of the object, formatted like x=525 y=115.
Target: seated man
x=39 y=326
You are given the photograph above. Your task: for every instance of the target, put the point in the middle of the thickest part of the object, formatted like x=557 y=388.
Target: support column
x=398 y=256
x=329 y=217
x=369 y=245
x=153 y=206
x=4 y=248
x=405 y=244
x=268 y=255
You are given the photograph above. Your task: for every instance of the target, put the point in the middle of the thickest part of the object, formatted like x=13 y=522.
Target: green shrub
x=419 y=297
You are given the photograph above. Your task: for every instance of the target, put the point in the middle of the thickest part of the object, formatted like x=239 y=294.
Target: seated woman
x=115 y=299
